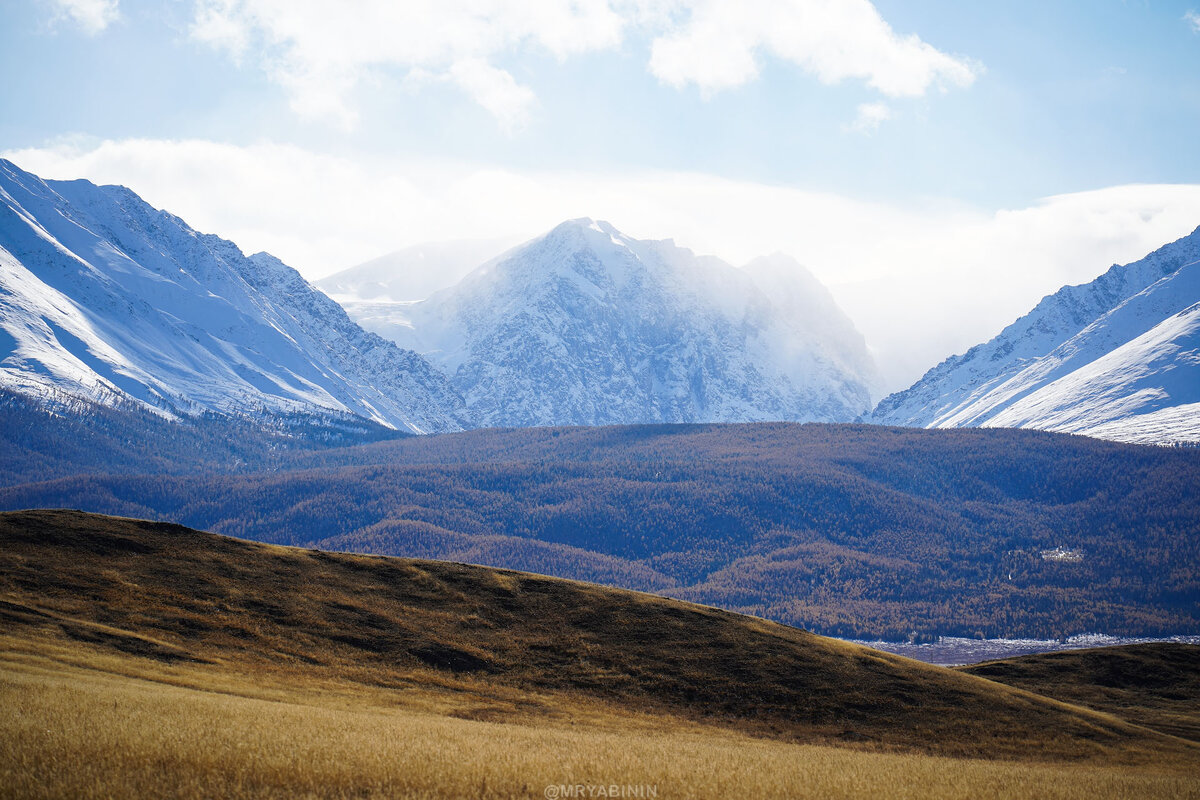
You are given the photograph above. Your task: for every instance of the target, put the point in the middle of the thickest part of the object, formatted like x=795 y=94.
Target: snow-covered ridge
x=1116 y=358
x=104 y=297
x=586 y=325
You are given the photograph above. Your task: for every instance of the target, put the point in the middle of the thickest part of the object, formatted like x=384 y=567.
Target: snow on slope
x=1110 y=358
x=1147 y=390
x=105 y=298
x=588 y=326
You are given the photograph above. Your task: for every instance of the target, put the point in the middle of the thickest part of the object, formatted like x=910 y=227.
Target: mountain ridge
x=1035 y=372
x=102 y=296
x=412 y=273
x=586 y=325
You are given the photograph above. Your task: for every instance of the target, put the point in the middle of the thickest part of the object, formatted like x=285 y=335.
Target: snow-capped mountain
x=413 y=273
x=588 y=326
x=1117 y=358
x=105 y=298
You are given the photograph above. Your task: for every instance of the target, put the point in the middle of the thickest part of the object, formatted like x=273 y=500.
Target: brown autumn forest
x=846 y=530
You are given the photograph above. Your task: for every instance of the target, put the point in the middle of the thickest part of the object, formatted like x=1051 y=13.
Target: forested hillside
x=40 y=440
x=848 y=530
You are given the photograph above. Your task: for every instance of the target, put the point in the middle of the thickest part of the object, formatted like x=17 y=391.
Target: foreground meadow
x=73 y=731
x=142 y=659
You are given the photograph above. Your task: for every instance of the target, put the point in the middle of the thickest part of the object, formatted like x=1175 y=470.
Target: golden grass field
x=145 y=660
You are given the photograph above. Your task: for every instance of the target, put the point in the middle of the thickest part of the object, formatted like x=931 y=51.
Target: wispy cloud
x=496 y=90
x=718 y=44
x=92 y=16
x=870 y=116
x=1193 y=19
x=319 y=52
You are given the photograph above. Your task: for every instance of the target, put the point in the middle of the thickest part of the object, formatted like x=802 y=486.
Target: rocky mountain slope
x=108 y=300
x=1117 y=358
x=586 y=325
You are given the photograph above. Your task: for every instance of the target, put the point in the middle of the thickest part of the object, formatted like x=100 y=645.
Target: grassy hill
x=140 y=657
x=849 y=530
x=1156 y=685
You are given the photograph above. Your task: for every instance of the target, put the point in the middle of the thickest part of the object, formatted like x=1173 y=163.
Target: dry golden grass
x=74 y=732
x=140 y=659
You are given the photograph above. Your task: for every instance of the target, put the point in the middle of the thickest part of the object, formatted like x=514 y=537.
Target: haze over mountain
x=586 y=325
x=1117 y=358
x=412 y=273
x=106 y=299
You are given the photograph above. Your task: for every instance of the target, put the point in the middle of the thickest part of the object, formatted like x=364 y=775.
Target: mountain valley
x=362 y=682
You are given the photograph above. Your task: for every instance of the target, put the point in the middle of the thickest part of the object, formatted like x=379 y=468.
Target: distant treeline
x=848 y=530
x=65 y=436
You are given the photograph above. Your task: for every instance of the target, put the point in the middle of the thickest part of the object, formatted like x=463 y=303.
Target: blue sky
x=916 y=147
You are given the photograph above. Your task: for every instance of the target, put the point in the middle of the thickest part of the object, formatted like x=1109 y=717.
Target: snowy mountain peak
x=105 y=298
x=587 y=226
x=586 y=325
x=579 y=235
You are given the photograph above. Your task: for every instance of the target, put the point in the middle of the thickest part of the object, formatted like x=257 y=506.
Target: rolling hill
x=141 y=658
x=1155 y=685
x=856 y=531
x=177 y=596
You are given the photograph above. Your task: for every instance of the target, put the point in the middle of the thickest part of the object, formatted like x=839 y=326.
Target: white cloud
x=216 y=24
x=835 y=40
x=93 y=16
x=495 y=90
x=1193 y=19
x=921 y=280
x=870 y=117
x=319 y=52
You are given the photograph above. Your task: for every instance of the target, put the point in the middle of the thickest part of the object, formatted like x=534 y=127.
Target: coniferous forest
x=850 y=530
